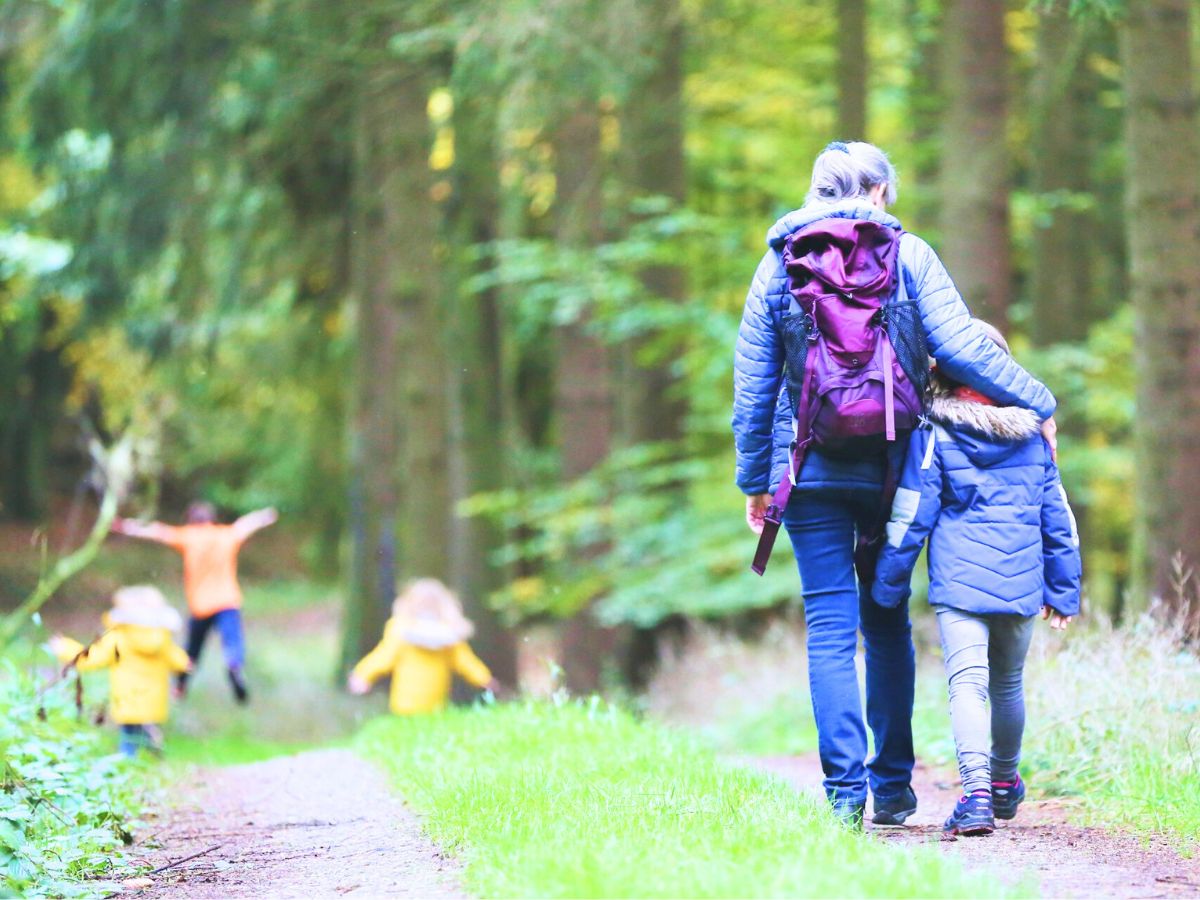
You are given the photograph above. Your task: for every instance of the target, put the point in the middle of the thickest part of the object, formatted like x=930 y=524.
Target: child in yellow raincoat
x=424 y=644
x=137 y=646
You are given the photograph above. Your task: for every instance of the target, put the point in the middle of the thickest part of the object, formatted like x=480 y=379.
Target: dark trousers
x=822 y=525
x=228 y=623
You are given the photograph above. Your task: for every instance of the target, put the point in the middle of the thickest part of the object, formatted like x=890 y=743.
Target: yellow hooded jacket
x=421 y=663
x=142 y=659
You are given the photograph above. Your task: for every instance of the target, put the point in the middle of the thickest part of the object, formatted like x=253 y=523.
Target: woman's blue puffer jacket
x=762 y=423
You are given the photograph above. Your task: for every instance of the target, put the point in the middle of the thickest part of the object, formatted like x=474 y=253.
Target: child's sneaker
x=972 y=815
x=1007 y=796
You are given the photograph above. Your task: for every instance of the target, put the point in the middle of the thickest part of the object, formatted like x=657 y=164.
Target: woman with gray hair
x=837 y=499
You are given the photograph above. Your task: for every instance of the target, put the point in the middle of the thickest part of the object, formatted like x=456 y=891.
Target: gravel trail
x=318 y=824
x=1064 y=860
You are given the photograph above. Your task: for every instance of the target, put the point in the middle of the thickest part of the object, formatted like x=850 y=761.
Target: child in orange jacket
x=138 y=649
x=424 y=644
x=210 y=582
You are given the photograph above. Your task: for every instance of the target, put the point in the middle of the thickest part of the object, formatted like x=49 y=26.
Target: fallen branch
x=114 y=465
x=180 y=862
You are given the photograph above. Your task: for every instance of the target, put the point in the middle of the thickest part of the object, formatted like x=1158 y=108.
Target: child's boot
x=973 y=815
x=1007 y=796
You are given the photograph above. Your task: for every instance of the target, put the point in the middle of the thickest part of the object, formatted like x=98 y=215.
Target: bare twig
x=180 y=862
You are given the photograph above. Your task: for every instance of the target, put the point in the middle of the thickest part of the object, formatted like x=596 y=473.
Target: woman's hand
x=1050 y=433
x=756 y=509
x=1058 y=621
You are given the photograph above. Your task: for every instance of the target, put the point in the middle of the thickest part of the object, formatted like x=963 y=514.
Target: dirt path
x=319 y=824
x=1066 y=861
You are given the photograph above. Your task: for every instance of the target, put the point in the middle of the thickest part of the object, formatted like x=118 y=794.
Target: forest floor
x=1064 y=860
x=323 y=823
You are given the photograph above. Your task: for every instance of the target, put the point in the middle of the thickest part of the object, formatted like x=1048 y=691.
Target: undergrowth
x=1113 y=721
x=67 y=803
x=572 y=800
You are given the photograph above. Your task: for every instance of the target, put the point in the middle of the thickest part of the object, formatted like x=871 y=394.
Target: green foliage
x=67 y=804
x=585 y=801
x=1095 y=388
x=1113 y=723
x=665 y=550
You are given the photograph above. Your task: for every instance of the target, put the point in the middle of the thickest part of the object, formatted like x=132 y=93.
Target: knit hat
x=143 y=605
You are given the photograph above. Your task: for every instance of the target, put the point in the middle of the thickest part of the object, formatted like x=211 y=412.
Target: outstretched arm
x=471 y=668
x=255 y=521
x=148 y=531
x=377 y=663
x=98 y=655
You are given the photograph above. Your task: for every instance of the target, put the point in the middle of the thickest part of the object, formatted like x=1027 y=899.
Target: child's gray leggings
x=985 y=658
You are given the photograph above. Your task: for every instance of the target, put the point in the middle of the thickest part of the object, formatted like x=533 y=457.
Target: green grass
x=1114 y=719
x=575 y=801
x=1113 y=722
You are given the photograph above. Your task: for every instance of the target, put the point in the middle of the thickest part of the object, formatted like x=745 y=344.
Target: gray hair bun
x=844 y=171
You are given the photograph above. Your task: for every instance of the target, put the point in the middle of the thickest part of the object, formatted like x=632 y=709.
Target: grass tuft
x=586 y=801
x=1113 y=720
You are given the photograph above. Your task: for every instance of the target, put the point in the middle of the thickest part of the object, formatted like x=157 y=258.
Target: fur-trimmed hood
x=987 y=434
x=434 y=634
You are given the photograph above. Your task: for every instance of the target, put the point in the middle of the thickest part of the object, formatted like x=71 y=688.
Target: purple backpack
x=856 y=359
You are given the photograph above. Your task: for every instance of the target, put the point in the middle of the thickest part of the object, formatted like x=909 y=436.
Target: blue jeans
x=823 y=525
x=228 y=623
x=135 y=737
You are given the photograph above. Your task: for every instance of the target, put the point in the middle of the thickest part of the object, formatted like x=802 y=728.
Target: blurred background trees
x=455 y=282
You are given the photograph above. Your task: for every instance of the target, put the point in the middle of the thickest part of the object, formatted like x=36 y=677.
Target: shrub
x=66 y=802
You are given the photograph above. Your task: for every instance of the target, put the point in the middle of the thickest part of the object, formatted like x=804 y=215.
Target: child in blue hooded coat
x=980 y=482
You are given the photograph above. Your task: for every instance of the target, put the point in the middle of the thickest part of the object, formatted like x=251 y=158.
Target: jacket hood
x=433 y=634
x=987 y=434
x=144 y=640
x=164 y=617
x=814 y=212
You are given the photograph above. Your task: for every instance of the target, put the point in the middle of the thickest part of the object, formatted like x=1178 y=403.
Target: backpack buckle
x=811 y=329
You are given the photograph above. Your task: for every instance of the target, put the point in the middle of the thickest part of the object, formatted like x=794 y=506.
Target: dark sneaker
x=972 y=816
x=894 y=810
x=238 y=683
x=1007 y=796
x=849 y=813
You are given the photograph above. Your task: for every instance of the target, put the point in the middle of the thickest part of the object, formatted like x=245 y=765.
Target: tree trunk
x=652 y=133
x=654 y=165
x=852 y=70
x=393 y=279
x=924 y=105
x=479 y=441
x=1163 y=225
x=1059 y=283
x=975 y=182
x=583 y=384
